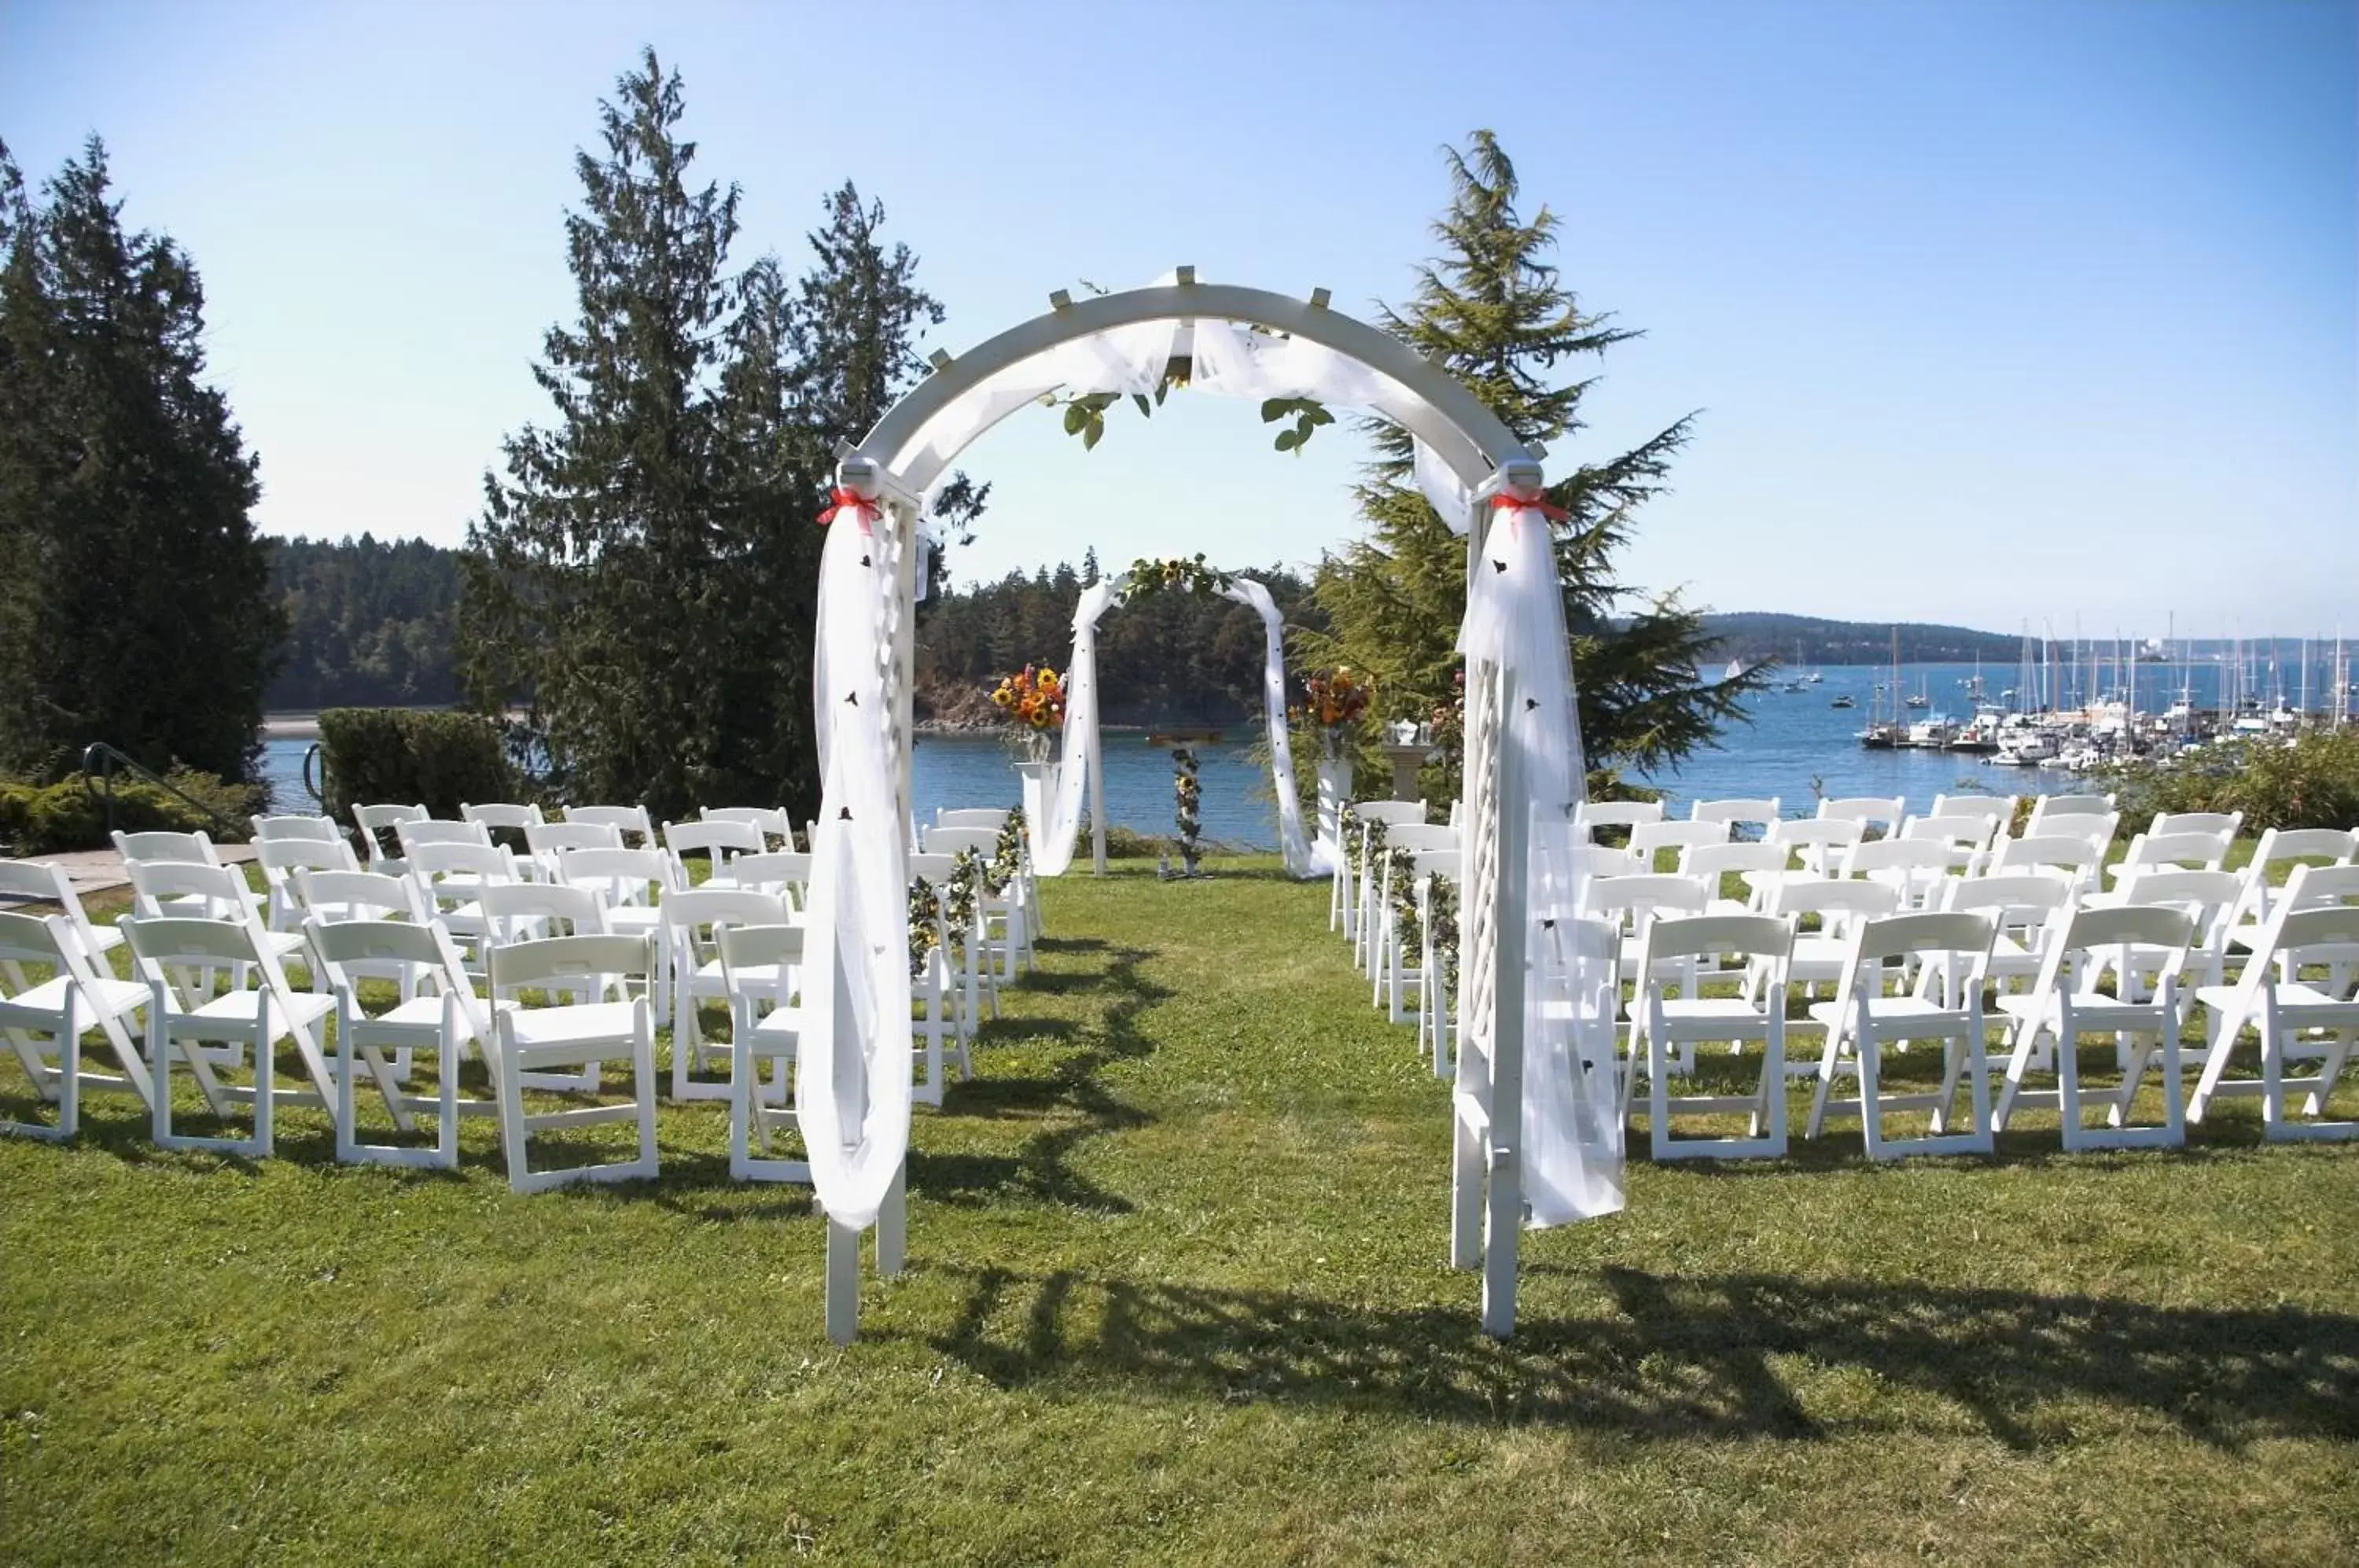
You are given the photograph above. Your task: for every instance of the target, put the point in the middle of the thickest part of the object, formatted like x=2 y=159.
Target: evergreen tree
x=1493 y=312
x=140 y=611
x=601 y=585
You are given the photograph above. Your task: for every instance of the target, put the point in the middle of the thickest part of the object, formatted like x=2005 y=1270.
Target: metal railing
x=99 y=763
x=315 y=776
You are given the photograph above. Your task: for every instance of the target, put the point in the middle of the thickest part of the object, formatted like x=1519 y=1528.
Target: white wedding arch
x=1081 y=775
x=1531 y=1143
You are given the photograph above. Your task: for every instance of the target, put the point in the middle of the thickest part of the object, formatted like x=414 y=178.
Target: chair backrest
x=185 y=848
x=510 y=908
x=1445 y=863
x=1763 y=811
x=1603 y=860
x=565 y=962
x=2312 y=886
x=415 y=833
x=2097 y=828
x=2000 y=807
x=2203 y=851
x=1637 y=898
x=281 y=855
x=1881 y=811
x=390 y=949
x=1615 y=813
x=545 y=839
x=1817 y=832
x=696 y=917
x=2335 y=846
x=161 y=942
x=778 y=948
x=430 y=863
x=984 y=842
x=1849 y=897
x=2062 y=851
x=338 y=895
x=1647 y=837
x=991 y=817
x=1964 y=830
x=1714 y=936
x=717 y=840
x=934 y=869
x=267 y=830
x=2046 y=806
x=1893 y=855
x=2332 y=925
x=48 y=883
x=2196 y=822
x=628 y=819
x=786 y=871
x=2164 y=932
x=768 y=821
x=223 y=890
x=1414 y=838
x=502 y=814
x=623 y=876
x=2023 y=898
x=1964 y=933
x=376 y=821
x=1390 y=813
x=33 y=939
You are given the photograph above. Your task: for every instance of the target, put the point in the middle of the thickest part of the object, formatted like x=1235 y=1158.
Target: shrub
x=412 y=756
x=36 y=819
x=2311 y=781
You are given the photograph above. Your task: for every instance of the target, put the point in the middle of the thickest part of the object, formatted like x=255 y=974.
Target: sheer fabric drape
x=1571 y=1120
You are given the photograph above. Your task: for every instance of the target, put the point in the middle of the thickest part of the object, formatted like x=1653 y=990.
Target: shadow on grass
x=1070 y=1099
x=1683 y=1358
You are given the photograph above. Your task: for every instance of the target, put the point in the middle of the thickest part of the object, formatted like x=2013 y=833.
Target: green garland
x=925 y=909
x=1189 y=792
x=1006 y=855
x=1174 y=575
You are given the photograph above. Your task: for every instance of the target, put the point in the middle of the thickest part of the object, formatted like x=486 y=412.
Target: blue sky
x=1991 y=311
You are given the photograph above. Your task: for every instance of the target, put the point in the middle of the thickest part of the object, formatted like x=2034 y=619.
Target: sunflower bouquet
x=1033 y=703
x=1337 y=699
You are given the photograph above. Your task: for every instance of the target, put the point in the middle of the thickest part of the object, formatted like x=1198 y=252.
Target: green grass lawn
x=1175 y=1293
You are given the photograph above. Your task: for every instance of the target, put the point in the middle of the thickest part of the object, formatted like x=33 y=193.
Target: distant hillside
x=1754 y=635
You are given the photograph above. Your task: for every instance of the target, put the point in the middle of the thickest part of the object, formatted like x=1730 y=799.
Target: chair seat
x=2093 y=1006
x=39 y=1006
x=1713 y=1009
x=577 y=1022
x=1885 y=1008
x=418 y=1012
x=241 y=1007
x=631 y=920
x=776 y=1030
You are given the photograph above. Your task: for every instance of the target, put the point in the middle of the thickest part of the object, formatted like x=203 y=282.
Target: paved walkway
x=99 y=870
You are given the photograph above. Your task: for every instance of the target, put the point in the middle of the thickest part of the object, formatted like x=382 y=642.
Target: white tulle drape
x=1573 y=1125
x=852 y=1070
x=1055 y=837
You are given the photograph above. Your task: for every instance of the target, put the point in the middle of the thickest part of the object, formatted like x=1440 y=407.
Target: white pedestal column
x=1335 y=779
x=1039 y=788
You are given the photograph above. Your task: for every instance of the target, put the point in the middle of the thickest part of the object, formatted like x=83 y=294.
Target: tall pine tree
x=645 y=576
x=1493 y=310
x=137 y=603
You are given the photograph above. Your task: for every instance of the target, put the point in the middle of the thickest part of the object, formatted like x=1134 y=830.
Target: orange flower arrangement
x=1033 y=697
x=1338 y=697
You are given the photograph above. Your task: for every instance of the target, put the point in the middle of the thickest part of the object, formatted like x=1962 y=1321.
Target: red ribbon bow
x=841 y=499
x=1517 y=500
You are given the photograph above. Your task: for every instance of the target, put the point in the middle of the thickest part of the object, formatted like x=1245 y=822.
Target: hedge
x=412 y=757
x=48 y=819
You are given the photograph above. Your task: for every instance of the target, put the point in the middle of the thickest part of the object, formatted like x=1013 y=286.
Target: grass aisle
x=1175 y=1294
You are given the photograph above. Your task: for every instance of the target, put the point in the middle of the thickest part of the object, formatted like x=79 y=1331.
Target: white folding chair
x=2026 y=909
x=1818 y=957
x=1659 y=1023
x=633 y=883
x=716 y=842
x=2070 y=858
x=439 y=1013
x=693 y=919
x=544 y=842
x=180 y=849
x=282 y=858
x=1997 y=810
x=628 y=820
x=2270 y=995
x=2227 y=822
x=42 y=881
x=1650 y=839
x=2287 y=847
x=1630 y=904
x=334 y=896
x=2048 y=1023
x=2185 y=851
x=413 y=831
x=2045 y=806
x=760 y=966
x=1915 y=868
x=782 y=873
x=515 y=815
x=1966 y=837
x=1434 y=874
x=448 y=877
x=268 y=828
x=1590 y=860
x=1011 y=945
x=1761 y=867
x=2209 y=900
x=188 y=889
x=208 y=1031
x=1817 y=842
x=2096 y=829
x=44 y=1021
x=1862 y=1019
x=374 y=824
x=576 y=1035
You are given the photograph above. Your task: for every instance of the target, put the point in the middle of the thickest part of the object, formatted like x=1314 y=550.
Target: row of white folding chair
x=44 y=1021
x=1664 y=1030
x=956 y=979
x=2313 y=927
x=42 y=881
x=995 y=819
x=1434 y=875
